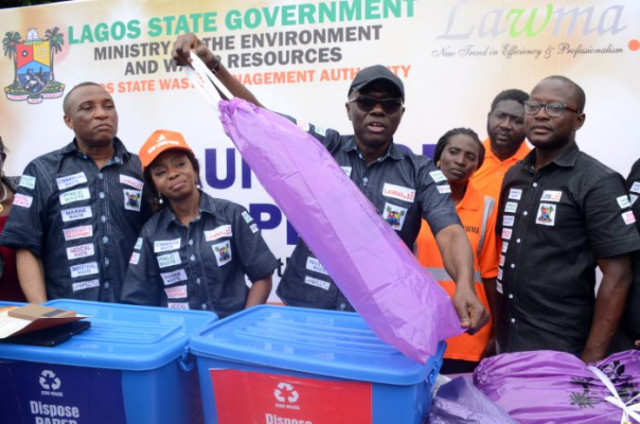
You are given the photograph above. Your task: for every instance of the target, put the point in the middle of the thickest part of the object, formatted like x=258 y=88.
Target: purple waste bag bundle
x=460 y=402
x=556 y=387
x=381 y=278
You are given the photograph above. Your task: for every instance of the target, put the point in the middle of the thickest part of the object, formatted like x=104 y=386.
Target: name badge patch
x=515 y=193
x=177 y=305
x=507 y=220
x=405 y=194
x=135 y=258
x=546 y=214
x=501 y=260
x=22 y=200
x=177 y=292
x=75 y=233
x=81 y=251
x=623 y=201
x=437 y=176
x=628 y=217
x=247 y=218
x=394 y=215
x=84 y=285
x=499 y=287
x=76 y=213
x=313 y=264
x=216 y=233
x=131 y=182
x=132 y=199
x=138 y=244
x=505 y=246
x=632 y=199
x=444 y=189
x=71 y=181
x=173 y=277
x=347 y=170
x=635 y=187
x=27 y=181
x=222 y=252
x=506 y=233
x=74 y=196
x=551 y=196
x=160 y=246
x=315 y=282
x=84 y=269
x=499 y=273
x=169 y=259
x=511 y=207
x=254 y=228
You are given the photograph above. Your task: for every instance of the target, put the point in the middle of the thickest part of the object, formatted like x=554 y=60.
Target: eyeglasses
x=554 y=110
x=367 y=104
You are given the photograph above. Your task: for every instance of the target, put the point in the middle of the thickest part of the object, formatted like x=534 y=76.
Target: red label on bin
x=243 y=397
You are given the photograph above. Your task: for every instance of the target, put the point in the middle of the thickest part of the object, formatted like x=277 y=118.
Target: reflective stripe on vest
x=441 y=274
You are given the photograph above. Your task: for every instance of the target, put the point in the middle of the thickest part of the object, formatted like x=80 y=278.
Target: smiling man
x=78 y=210
x=402 y=186
x=561 y=214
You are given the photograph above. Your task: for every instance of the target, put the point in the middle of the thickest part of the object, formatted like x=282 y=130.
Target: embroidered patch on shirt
x=177 y=292
x=319 y=130
x=84 y=285
x=515 y=193
x=506 y=233
x=507 y=220
x=628 y=217
x=405 y=194
x=635 y=187
x=623 y=202
x=160 y=246
x=74 y=196
x=76 y=213
x=499 y=287
x=222 y=252
x=131 y=182
x=551 y=196
x=71 y=180
x=27 y=181
x=82 y=251
x=394 y=215
x=254 y=228
x=632 y=199
x=313 y=264
x=511 y=207
x=505 y=246
x=173 y=277
x=315 y=282
x=138 y=244
x=75 y=233
x=444 y=189
x=82 y=270
x=437 y=176
x=22 y=200
x=168 y=259
x=177 y=305
x=501 y=263
x=247 y=218
x=347 y=170
x=546 y=214
x=135 y=258
x=216 y=233
x=132 y=199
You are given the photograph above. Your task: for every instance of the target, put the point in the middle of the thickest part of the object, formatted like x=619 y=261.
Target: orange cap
x=160 y=141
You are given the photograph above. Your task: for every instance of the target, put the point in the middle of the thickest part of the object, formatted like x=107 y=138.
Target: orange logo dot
x=634 y=45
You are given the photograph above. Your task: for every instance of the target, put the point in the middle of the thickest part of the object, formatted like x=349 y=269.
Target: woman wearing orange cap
x=195 y=251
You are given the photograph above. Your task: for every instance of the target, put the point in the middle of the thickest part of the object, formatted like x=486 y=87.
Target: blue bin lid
x=126 y=337
x=327 y=343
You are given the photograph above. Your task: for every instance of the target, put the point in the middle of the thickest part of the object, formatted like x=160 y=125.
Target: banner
x=298 y=57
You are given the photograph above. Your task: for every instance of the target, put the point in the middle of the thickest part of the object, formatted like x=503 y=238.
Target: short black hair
x=511 y=94
x=578 y=93
x=442 y=143
x=65 y=102
x=150 y=190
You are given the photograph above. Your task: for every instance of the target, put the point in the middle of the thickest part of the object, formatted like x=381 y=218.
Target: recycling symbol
x=49 y=380
x=285 y=392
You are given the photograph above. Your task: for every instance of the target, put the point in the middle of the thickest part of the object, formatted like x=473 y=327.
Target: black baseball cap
x=374 y=73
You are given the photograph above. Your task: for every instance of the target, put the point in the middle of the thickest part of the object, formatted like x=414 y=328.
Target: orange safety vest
x=478 y=215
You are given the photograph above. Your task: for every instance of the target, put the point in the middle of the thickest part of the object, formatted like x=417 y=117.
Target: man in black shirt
x=561 y=213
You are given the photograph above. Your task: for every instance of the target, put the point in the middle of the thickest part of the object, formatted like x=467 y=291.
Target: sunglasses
x=367 y=104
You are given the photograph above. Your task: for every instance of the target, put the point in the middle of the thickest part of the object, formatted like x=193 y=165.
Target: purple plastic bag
x=557 y=387
x=460 y=402
x=381 y=278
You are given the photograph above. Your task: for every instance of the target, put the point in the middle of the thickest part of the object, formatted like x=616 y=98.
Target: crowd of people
x=513 y=234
